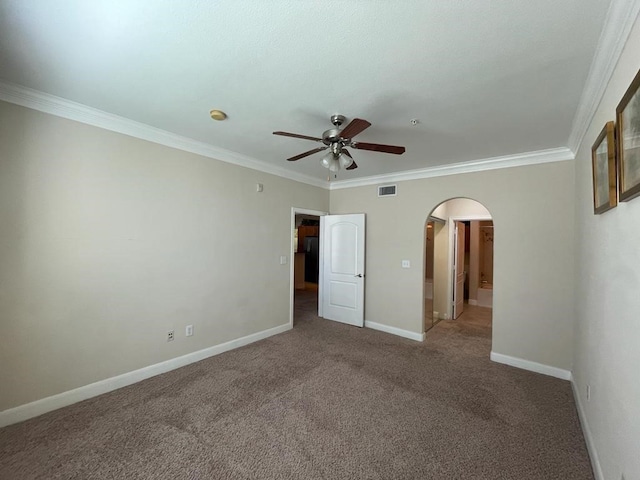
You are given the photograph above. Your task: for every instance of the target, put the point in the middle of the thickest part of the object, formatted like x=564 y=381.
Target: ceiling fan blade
x=305 y=154
x=376 y=147
x=353 y=165
x=356 y=126
x=295 y=135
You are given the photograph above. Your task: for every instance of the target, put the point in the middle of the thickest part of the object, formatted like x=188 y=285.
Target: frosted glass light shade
x=331 y=161
x=345 y=161
x=326 y=160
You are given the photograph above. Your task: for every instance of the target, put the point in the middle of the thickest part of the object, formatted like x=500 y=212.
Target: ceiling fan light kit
x=337 y=140
x=335 y=159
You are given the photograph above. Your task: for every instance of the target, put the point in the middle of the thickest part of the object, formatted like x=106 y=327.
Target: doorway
x=458 y=280
x=305 y=263
x=327 y=266
x=304 y=270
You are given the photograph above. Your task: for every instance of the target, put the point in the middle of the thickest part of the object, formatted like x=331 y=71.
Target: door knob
x=358 y=275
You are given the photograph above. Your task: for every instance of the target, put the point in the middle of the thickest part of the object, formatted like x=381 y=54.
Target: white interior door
x=343 y=268
x=458 y=270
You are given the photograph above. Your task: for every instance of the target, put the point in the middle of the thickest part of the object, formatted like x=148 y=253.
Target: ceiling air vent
x=387 y=191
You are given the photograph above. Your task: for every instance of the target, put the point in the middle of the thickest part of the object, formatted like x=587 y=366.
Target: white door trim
x=292 y=255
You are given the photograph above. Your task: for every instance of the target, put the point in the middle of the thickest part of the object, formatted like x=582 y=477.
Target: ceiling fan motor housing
x=331 y=136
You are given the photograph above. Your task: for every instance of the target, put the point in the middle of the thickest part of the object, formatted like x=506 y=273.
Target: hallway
x=474 y=318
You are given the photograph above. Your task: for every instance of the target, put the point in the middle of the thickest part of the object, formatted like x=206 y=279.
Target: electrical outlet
x=188 y=331
x=406 y=264
x=170 y=336
x=588 y=393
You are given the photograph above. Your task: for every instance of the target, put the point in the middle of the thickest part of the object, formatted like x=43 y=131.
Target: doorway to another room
x=306 y=264
x=327 y=267
x=458 y=279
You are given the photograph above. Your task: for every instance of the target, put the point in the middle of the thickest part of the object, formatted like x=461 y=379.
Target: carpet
x=322 y=401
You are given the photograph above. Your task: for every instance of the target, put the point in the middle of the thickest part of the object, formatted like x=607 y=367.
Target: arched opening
x=458 y=267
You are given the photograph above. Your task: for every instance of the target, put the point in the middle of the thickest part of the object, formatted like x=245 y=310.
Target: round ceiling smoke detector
x=218 y=115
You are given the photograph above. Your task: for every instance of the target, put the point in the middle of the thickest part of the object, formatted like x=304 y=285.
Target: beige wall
x=107 y=242
x=462 y=207
x=533 y=279
x=607 y=329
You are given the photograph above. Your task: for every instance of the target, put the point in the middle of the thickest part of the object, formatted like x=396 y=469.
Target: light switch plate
x=283 y=259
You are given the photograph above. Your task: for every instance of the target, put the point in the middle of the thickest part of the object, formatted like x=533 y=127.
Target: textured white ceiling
x=486 y=78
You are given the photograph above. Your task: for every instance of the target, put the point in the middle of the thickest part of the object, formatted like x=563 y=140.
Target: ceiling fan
x=337 y=140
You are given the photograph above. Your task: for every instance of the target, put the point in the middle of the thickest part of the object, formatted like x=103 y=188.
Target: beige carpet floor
x=322 y=401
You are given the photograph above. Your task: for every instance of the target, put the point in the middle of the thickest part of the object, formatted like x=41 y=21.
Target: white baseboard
x=531 y=366
x=591 y=447
x=473 y=302
x=44 y=405
x=418 y=337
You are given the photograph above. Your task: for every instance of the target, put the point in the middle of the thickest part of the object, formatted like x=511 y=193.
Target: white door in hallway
x=458 y=270
x=343 y=268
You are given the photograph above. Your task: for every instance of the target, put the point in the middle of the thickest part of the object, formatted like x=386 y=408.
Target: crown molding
x=60 y=107
x=518 y=160
x=620 y=18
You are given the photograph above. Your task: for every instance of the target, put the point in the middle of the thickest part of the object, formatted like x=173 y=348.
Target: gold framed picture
x=628 y=141
x=603 y=159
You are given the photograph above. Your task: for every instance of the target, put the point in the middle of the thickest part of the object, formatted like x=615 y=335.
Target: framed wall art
x=603 y=158
x=628 y=141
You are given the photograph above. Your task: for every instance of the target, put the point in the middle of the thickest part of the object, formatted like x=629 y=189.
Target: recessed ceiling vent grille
x=387 y=191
